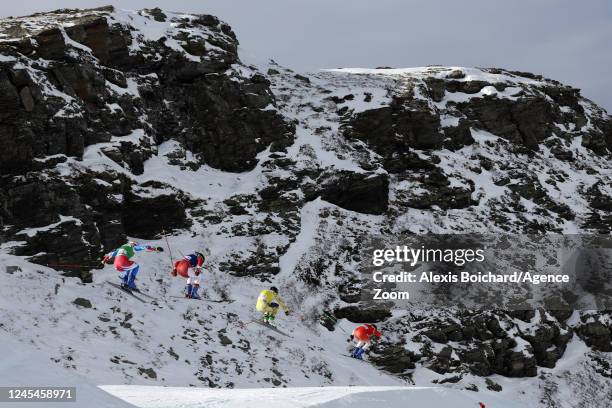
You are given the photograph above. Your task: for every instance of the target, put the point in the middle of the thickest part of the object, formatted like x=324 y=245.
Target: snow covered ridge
x=120 y=124
x=195 y=36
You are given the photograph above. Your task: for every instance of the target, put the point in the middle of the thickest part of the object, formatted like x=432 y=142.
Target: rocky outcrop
x=392 y=131
x=73 y=78
x=148 y=217
x=223 y=120
x=525 y=118
x=486 y=343
x=394 y=359
x=366 y=193
x=116 y=77
x=358 y=314
x=597 y=335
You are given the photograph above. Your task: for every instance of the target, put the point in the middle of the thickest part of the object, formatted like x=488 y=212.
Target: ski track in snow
x=302 y=397
x=305 y=239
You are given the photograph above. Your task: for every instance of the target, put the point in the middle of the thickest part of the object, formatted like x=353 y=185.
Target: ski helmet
x=132 y=243
x=201 y=255
x=274 y=289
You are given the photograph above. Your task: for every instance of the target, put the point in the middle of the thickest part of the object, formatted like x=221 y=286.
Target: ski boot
x=357 y=353
x=128 y=278
x=194 y=292
x=188 y=290
x=268 y=319
x=124 y=280
x=131 y=283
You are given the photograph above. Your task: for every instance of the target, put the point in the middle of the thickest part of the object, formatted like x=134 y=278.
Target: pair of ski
x=204 y=300
x=357 y=359
x=266 y=325
x=137 y=293
x=132 y=292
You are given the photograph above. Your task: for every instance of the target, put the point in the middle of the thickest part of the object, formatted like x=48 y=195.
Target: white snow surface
x=22 y=366
x=471 y=74
x=304 y=397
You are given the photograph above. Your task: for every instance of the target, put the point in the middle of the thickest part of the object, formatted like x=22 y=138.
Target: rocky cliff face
x=130 y=81
x=116 y=124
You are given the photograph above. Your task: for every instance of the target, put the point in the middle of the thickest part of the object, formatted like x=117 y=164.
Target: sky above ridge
x=566 y=40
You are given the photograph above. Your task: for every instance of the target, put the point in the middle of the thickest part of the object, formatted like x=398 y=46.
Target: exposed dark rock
x=450 y=380
x=362 y=192
x=109 y=43
x=525 y=122
x=147 y=217
x=225 y=341
x=157 y=14
x=477 y=361
x=458 y=136
x=436 y=335
x=492 y=385
x=86 y=303
x=394 y=359
x=302 y=78
x=600 y=200
x=393 y=130
x=11 y=269
x=147 y=372
x=436 y=88
x=52 y=197
x=562 y=154
x=27 y=99
x=50 y=44
x=472 y=387
x=358 y=314
x=548 y=344
x=471 y=87
x=596 y=335
x=227 y=125
x=221 y=119
x=456 y=74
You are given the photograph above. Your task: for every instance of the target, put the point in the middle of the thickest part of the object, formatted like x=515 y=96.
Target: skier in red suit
x=362 y=336
x=190 y=267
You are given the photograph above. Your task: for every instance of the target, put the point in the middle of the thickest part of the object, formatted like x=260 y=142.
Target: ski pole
x=330 y=316
x=169 y=250
x=242 y=324
x=335 y=321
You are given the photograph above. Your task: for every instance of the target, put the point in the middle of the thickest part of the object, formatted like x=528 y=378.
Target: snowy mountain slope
x=174 y=341
x=278 y=177
x=488 y=171
x=21 y=367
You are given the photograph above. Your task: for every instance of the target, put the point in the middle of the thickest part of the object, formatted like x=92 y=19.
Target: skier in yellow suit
x=268 y=303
